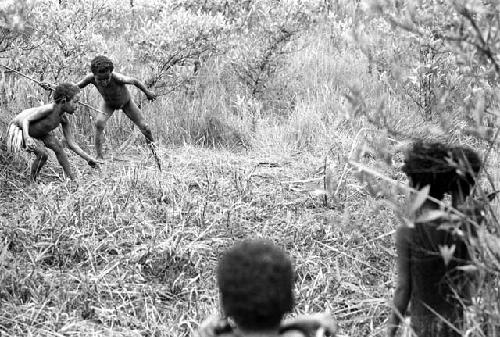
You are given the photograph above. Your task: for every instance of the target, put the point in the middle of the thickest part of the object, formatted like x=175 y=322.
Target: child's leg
x=132 y=111
x=40 y=160
x=52 y=143
x=100 y=124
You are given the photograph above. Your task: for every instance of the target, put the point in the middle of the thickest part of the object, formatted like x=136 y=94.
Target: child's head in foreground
x=447 y=169
x=255 y=280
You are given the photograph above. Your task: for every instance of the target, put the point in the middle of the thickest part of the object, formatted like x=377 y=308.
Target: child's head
x=255 y=280
x=447 y=169
x=101 y=64
x=67 y=94
x=102 y=67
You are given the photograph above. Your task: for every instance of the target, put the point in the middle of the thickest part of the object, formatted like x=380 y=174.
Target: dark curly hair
x=447 y=169
x=65 y=91
x=101 y=64
x=255 y=280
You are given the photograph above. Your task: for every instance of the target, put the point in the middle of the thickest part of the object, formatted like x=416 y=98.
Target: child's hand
x=93 y=162
x=214 y=326
x=47 y=86
x=30 y=144
x=151 y=96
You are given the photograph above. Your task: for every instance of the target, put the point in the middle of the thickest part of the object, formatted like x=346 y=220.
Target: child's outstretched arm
x=132 y=80
x=403 y=287
x=86 y=81
x=68 y=134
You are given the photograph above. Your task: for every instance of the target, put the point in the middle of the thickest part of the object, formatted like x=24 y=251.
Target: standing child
x=429 y=254
x=38 y=123
x=112 y=87
x=255 y=280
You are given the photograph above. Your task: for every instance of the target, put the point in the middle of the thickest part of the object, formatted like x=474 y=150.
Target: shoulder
x=89 y=77
x=124 y=79
x=118 y=77
x=38 y=110
x=313 y=324
x=292 y=333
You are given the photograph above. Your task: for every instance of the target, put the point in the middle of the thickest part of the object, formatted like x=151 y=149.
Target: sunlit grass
x=130 y=251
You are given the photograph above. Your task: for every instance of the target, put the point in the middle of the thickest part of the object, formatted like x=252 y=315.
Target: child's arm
x=214 y=326
x=68 y=134
x=403 y=287
x=86 y=81
x=316 y=324
x=132 y=80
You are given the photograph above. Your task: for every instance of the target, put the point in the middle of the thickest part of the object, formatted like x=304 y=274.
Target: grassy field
x=130 y=251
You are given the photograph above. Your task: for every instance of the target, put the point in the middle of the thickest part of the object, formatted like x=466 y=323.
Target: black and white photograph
x=250 y=168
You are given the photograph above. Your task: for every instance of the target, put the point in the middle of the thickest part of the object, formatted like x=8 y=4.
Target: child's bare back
x=40 y=128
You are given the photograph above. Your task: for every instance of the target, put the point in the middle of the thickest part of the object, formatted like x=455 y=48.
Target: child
x=433 y=284
x=38 y=123
x=255 y=280
x=112 y=87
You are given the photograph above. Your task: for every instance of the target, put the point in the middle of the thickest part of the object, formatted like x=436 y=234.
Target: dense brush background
x=267 y=112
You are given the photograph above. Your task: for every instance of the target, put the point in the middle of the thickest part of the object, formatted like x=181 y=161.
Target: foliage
x=264 y=37
x=254 y=124
x=452 y=76
x=178 y=37
x=12 y=21
x=432 y=54
x=62 y=40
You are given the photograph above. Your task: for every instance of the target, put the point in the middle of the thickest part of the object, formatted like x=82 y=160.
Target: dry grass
x=130 y=251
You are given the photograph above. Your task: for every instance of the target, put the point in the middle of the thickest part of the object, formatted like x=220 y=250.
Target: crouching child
x=32 y=130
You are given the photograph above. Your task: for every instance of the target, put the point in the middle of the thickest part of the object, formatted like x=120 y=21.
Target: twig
x=349 y=256
x=44 y=86
x=354 y=143
x=290 y=182
x=379 y=175
x=22 y=75
x=325 y=186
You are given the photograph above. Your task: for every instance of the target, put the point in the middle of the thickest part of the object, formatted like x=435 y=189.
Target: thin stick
x=155 y=154
x=325 y=186
x=346 y=166
x=44 y=86
x=89 y=106
x=349 y=256
x=23 y=75
x=374 y=173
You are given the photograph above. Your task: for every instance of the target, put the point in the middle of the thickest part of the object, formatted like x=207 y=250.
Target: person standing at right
x=429 y=254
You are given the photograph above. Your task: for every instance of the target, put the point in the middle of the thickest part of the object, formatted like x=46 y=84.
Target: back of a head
x=65 y=92
x=447 y=169
x=255 y=280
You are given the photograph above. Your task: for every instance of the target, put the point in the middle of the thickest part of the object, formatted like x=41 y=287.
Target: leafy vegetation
x=275 y=119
